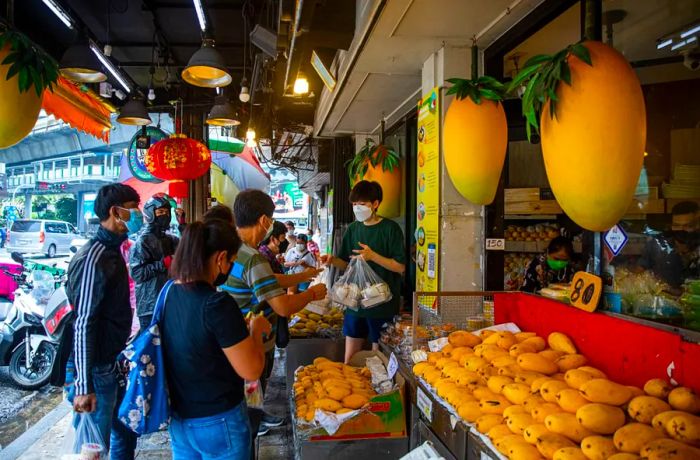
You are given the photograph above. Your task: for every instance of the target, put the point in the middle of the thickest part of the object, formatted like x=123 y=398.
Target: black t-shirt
x=197 y=323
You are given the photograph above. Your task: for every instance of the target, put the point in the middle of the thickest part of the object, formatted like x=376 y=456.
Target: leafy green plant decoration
x=31 y=64
x=372 y=154
x=541 y=76
x=477 y=89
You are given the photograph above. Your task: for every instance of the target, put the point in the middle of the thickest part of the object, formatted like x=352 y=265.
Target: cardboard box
x=533 y=207
x=386 y=417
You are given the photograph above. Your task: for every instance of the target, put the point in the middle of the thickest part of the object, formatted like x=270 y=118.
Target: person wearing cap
x=151 y=256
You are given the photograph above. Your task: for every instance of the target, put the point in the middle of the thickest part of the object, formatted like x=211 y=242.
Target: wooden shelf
x=530 y=217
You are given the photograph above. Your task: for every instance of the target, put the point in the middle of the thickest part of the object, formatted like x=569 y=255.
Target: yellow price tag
x=585 y=291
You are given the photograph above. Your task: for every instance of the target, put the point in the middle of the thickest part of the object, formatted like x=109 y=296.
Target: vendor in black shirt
x=552 y=267
x=208 y=348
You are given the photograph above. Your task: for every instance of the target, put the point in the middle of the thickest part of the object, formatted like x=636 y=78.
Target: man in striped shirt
x=98 y=289
x=252 y=282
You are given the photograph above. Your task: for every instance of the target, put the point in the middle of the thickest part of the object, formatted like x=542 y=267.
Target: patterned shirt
x=271 y=258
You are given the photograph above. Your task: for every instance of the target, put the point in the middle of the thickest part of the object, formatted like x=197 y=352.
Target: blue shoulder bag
x=146 y=404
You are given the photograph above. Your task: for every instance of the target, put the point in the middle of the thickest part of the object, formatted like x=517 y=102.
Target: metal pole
x=592 y=19
x=475 y=61
x=11 y=12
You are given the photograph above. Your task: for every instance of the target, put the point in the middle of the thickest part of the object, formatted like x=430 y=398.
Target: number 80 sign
x=585 y=291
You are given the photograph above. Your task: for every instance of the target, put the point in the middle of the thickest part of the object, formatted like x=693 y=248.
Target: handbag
x=146 y=404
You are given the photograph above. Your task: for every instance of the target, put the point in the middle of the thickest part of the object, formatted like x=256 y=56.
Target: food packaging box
x=386 y=417
x=320 y=307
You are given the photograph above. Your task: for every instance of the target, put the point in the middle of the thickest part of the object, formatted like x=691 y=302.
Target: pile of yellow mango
x=537 y=398
x=310 y=324
x=331 y=386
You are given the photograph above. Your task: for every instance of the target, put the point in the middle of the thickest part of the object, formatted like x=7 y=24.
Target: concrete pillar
x=462 y=222
x=27 y=205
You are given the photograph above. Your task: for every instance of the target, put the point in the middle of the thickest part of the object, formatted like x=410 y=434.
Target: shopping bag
x=360 y=287
x=253 y=394
x=86 y=438
x=146 y=404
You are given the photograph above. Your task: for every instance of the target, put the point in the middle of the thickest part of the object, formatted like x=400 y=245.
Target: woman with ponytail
x=208 y=348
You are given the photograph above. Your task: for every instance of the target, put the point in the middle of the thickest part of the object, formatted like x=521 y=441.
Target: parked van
x=38 y=236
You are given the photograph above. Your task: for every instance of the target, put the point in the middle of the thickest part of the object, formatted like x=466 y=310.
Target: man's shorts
x=357 y=327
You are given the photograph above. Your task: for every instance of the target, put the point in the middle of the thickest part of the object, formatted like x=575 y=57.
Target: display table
x=301 y=352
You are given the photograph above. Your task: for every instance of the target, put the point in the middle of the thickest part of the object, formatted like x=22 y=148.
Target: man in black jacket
x=98 y=289
x=151 y=256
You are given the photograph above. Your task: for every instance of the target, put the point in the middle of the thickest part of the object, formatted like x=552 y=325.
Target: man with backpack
x=98 y=289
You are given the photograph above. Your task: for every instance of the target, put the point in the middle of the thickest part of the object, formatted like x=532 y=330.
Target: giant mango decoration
x=379 y=163
x=18 y=110
x=593 y=138
x=475 y=137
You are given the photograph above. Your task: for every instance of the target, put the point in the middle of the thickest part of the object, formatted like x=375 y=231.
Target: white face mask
x=362 y=212
x=301 y=247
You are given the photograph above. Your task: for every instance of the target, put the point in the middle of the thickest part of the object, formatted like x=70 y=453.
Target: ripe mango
x=684 y=399
x=521 y=336
x=503 y=361
x=499 y=431
x=537 y=384
x=644 y=408
x=447 y=350
x=636 y=391
x=463 y=339
x=496 y=383
x=504 y=443
x=518 y=422
x=458 y=352
x=685 y=428
x=515 y=409
x=523 y=451
x=440 y=363
x=536 y=363
x=475 y=362
x=520 y=348
x=337 y=393
x=568 y=362
x=659 y=388
x=493 y=405
x=468 y=379
x=516 y=393
x=660 y=420
x=433 y=357
x=606 y=392
x=486 y=422
x=632 y=437
x=575 y=378
x=537 y=343
x=527 y=377
x=598 y=447
x=551 y=355
x=418 y=367
x=570 y=400
x=561 y=342
x=482 y=392
x=549 y=443
x=597 y=373
x=533 y=401
x=601 y=418
x=327 y=404
x=506 y=340
x=343 y=410
x=510 y=370
x=664 y=448
x=470 y=411
x=549 y=390
x=432 y=376
x=569 y=453
x=534 y=431
x=567 y=425
x=541 y=412
x=624 y=456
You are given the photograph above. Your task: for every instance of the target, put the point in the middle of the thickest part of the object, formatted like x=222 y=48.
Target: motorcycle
x=31 y=331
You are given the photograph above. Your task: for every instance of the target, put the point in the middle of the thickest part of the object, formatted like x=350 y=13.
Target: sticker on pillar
x=137 y=153
x=615 y=239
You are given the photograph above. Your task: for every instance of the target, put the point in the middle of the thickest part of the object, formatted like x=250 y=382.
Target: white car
x=40 y=236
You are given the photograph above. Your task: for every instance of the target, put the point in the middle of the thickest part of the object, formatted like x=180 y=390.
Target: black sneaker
x=271 y=421
x=263 y=430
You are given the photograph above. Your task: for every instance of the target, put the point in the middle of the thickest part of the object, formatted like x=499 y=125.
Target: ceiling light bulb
x=251 y=143
x=200 y=15
x=245 y=94
x=60 y=13
x=151 y=94
x=301 y=85
x=250 y=135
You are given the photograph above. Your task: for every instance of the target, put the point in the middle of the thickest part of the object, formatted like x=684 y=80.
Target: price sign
x=425 y=405
x=294 y=321
x=393 y=366
x=615 y=239
x=585 y=291
x=495 y=244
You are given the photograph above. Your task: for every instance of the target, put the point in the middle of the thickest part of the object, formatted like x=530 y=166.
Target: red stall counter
x=628 y=352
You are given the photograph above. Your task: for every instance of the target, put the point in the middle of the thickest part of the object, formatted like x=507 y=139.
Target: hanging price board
x=585 y=291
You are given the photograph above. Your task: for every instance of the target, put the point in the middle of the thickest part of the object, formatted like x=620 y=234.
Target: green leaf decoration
x=32 y=66
x=541 y=76
x=484 y=87
x=372 y=154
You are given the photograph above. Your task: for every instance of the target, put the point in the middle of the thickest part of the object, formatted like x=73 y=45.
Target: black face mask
x=221 y=278
x=283 y=246
x=162 y=222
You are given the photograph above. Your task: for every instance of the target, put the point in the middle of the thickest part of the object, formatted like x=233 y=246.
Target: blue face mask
x=135 y=222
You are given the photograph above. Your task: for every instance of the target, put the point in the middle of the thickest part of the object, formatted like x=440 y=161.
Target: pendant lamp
x=207 y=68
x=134 y=113
x=80 y=64
x=223 y=113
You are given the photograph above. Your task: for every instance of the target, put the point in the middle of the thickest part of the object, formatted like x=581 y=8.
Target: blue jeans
x=224 y=436
x=110 y=387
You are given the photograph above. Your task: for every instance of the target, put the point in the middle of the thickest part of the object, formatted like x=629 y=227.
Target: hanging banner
x=428 y=197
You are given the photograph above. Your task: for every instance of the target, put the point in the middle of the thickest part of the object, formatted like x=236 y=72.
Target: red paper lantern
x=178 y=159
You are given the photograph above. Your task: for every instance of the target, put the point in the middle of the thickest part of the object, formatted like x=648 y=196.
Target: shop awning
x=80 y=108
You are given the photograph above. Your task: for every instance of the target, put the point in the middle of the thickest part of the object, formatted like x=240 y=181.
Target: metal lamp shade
x=207 y=68
x=134 y=113
x=80 y=64
x=223 y=113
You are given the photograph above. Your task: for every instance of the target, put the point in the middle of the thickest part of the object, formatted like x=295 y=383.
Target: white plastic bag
x=88 y=441
x=253 y=394
x=360 y=287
